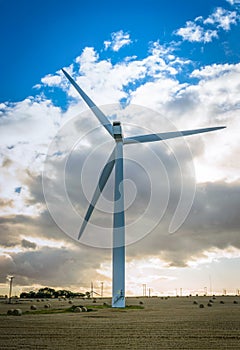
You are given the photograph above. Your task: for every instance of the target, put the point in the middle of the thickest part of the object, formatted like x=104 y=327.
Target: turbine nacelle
x=117 y=131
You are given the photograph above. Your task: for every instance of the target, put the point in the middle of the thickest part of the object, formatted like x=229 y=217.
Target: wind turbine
x=93 y=292
x=10 y=279
x=116 y=160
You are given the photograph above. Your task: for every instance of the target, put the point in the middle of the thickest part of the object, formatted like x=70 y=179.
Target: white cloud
x=195 y=33
x=107 y=44
x=87 y=58
x=233 y=2
x=51 y=80
x=215 y=70
x=199 y=31
x=119 y=39
x=106 y=82
x=30 y=121
x=222 y=18
x=218 y=91
x=157 y=93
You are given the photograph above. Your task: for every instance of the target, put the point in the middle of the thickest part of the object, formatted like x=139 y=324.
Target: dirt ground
x=173 y=323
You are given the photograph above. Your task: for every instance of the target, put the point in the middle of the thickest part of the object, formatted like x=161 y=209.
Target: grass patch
x=54 y=311
x=46 y=311
x=73 y=307
x=134 y=307
x=107 y=306
x=104 y=306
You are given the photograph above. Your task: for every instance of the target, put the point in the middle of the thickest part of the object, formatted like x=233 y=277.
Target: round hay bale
x=84 y=309
x=47 y=306
x=140 y=302
x=235 y=302
x=17 y=312
x=201 y=306
x=94 y=300
x=78 y=309
x=211 y=301
x=195 y=302
x=221 y=302
x=70 y=302
x=38 y=300
x=10 y=312
x=33 y=307
x=209 y=304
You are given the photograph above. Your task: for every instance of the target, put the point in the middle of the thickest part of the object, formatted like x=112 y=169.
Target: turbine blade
x=106 y=172
x=98 y=113
x=167 y=135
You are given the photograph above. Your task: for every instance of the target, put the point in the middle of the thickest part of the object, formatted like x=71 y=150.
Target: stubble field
x=172 y=323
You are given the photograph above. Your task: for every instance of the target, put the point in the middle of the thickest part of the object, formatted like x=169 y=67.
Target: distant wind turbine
x=93 y=292
x=10 y=279
x=116 y=160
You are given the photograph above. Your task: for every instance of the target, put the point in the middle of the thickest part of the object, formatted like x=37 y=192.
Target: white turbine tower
x=116 y=159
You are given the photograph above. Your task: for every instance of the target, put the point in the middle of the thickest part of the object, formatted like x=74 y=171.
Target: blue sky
x=178 y=63
x=40 y=38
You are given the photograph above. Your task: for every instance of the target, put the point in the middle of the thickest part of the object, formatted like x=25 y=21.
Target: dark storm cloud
x=213 y=222
x=28 y=244
x=203 y=216
x=6 y=162
x=14 y=227
x=6 y=203
x=55 y=266
x=34 y=182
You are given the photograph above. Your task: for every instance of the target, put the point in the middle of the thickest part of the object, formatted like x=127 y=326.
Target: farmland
x=161 y=323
